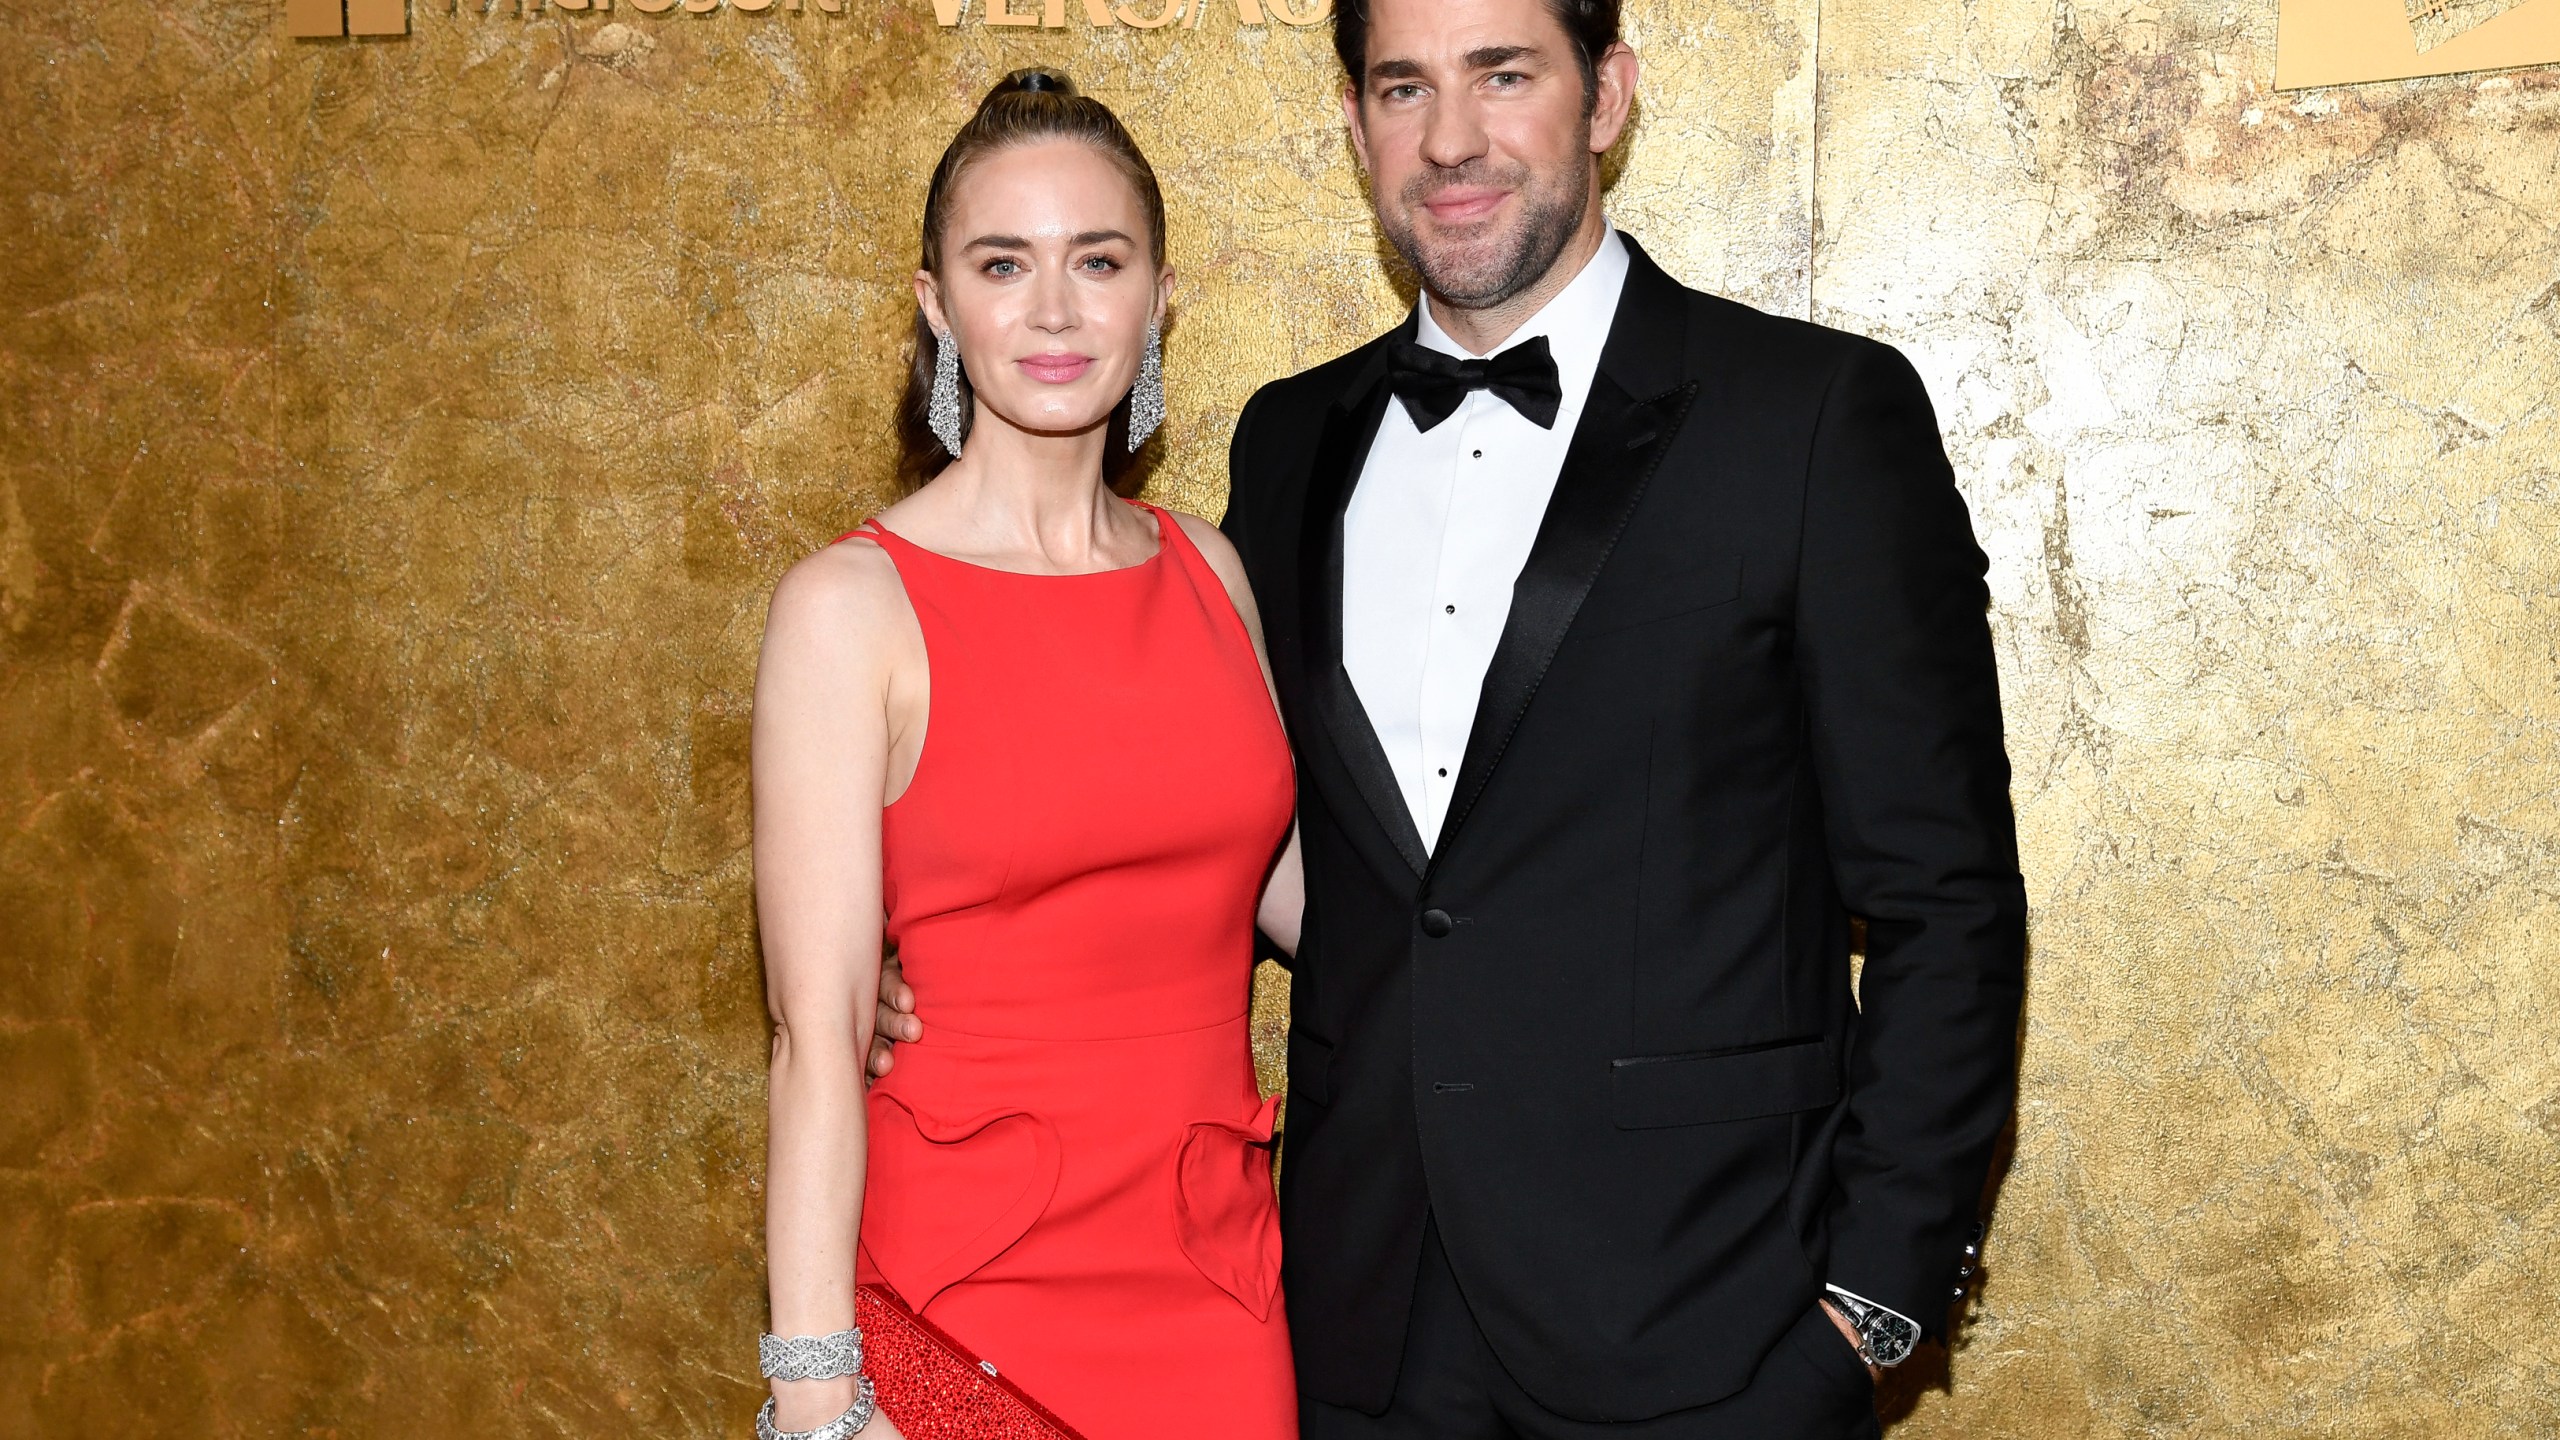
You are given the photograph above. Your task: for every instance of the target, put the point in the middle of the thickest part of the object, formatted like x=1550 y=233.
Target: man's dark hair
x=1592 y=24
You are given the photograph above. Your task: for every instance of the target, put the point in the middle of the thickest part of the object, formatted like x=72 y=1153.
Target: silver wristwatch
x=1884 y=1338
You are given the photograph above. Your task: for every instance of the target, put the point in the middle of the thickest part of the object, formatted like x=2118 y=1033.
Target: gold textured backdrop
x=400 y=437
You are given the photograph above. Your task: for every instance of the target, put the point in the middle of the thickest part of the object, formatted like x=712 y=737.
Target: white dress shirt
x=1437 y=530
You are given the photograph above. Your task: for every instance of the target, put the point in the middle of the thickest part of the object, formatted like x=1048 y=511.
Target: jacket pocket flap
x=1651 y=1091
x=1310 y=1068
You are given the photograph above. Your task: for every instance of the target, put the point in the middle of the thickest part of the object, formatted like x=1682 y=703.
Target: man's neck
x=1480 y=330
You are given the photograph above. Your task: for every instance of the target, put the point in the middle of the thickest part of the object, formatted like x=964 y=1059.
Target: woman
x=1020 y=730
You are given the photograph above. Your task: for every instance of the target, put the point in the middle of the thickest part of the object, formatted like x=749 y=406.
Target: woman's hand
x=895 y=1020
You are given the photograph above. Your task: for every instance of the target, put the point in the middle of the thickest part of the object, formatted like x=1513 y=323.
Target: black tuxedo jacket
x=1604 y=1030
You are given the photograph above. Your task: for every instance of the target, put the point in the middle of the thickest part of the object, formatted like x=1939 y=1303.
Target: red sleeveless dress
x=1071 y=1172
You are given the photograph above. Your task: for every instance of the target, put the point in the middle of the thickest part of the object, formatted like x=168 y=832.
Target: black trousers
x=1453 y=1387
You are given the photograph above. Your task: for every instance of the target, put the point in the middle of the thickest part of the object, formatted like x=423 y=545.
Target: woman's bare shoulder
x=1220 y=552
x=844 y=598
x=1203 y=533
x=1213 y=546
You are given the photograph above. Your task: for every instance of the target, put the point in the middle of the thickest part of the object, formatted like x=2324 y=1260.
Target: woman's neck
x=1037 y=501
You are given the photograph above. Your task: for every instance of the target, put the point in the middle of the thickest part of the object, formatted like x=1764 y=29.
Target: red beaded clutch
x=932 y=1388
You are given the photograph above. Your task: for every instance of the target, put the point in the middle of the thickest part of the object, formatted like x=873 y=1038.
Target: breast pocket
x=1668 y=588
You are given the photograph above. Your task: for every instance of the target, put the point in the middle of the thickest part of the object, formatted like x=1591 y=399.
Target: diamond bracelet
x=844 y=1425
x=810 y=1357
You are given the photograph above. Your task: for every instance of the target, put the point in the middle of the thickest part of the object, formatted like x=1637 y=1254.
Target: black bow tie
x=1433 y=385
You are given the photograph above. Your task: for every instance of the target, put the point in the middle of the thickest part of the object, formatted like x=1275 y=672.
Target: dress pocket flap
x=1224 y=1213
x=1651 y=1091
x=944 y=1197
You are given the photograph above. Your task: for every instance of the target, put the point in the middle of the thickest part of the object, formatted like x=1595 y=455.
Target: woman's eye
x=1003 y=267
x=1101 y=264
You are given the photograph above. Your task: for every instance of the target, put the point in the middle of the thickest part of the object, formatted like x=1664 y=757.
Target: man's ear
x=1351 y=119
x=1614 y=75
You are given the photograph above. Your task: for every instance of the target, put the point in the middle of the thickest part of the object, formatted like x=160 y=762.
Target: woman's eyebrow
x=1016 y=242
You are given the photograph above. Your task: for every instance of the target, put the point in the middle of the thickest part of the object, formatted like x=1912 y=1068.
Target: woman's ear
x=929 y=300
x=1164 y=297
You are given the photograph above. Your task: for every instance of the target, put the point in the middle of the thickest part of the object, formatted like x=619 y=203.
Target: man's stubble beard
x=1483 y=273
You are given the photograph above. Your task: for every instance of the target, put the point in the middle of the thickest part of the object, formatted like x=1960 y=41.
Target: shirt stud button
x=1479 y=454
x=1451 y=609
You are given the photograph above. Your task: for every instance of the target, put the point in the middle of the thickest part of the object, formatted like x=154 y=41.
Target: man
x=1654 y=642
x=1631 y=641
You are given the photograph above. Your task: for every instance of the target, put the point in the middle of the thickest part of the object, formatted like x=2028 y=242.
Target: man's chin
x=1470 y=276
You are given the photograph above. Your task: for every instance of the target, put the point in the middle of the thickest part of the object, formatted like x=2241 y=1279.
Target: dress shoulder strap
x=1206 y=582
x=1172 y=539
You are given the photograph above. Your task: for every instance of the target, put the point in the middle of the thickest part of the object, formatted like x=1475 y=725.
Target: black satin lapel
x=1340 y=452
x=1615 y=448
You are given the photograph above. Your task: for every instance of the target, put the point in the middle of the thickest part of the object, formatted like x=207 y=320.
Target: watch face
x=1889 y=1338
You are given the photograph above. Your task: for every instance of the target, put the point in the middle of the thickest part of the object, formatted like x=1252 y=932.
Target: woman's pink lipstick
x=1054 y=369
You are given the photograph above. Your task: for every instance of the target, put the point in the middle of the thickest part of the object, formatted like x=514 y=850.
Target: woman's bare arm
x=1284 y=894
x=822 y=739
x=1283 y=911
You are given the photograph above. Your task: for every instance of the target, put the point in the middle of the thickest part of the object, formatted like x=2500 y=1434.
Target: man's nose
x=1453 y=133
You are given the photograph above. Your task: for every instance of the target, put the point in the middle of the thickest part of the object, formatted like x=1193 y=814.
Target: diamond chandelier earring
x=942 y=416
x=1146 y=398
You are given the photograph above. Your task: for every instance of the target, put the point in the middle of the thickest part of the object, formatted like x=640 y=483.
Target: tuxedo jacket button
x=1436 y=923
